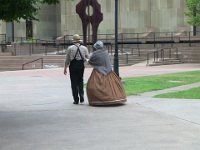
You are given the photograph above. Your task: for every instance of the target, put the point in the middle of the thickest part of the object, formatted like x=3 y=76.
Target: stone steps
x=128 y=59
x=190 y=54
x=130 y=56
x=16 y=62
x=166 y=61
x=5 y=54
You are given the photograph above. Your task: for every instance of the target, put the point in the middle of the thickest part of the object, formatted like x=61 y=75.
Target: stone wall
x=47 y=26
x=135 y=16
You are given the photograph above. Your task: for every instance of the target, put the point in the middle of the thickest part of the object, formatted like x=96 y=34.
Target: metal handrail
x=148 y=56
x=135 y=39
x=32 y=62
x=126 y=57
x=162 y=54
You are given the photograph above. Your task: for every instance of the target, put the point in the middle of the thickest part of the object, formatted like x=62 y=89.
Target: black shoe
x=81 y=100
x=75 y=102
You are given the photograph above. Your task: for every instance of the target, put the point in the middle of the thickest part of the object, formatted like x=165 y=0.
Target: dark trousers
x=76 y=77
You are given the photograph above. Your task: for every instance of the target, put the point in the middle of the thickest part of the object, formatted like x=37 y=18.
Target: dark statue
x=86 y=19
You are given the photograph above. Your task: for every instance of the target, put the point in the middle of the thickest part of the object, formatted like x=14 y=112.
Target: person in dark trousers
x=77 y=54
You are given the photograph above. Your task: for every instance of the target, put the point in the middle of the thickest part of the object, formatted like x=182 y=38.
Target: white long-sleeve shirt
x=71 y=51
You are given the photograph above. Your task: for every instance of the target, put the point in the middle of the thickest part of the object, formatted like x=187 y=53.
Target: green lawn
x=193 y=93
x=137 y=85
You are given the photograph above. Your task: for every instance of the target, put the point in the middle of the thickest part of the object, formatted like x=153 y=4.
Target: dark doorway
x=29 y=29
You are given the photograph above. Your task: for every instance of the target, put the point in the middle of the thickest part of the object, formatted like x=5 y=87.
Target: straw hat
x=76 y=38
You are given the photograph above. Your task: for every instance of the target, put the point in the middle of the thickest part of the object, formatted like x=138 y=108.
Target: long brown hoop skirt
x=105 y=89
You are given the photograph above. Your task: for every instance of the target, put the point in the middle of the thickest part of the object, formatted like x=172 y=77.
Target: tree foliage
x=14 y=10
x=193 y=12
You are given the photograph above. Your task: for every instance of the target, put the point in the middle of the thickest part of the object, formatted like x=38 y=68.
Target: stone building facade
x=135 y=16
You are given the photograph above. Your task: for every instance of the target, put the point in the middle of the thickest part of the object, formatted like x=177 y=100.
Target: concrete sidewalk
x=36 y=113
x=185 y=109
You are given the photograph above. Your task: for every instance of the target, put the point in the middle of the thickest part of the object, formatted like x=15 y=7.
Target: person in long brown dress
x=104 y=86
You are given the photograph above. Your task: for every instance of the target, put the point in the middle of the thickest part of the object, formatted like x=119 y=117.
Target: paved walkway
x=36 y=113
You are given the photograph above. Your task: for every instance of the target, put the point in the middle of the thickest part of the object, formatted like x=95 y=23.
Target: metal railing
x=134 y=41
x=127 y=58
x=160 y=55
x=3 y=45
x=23 y=65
